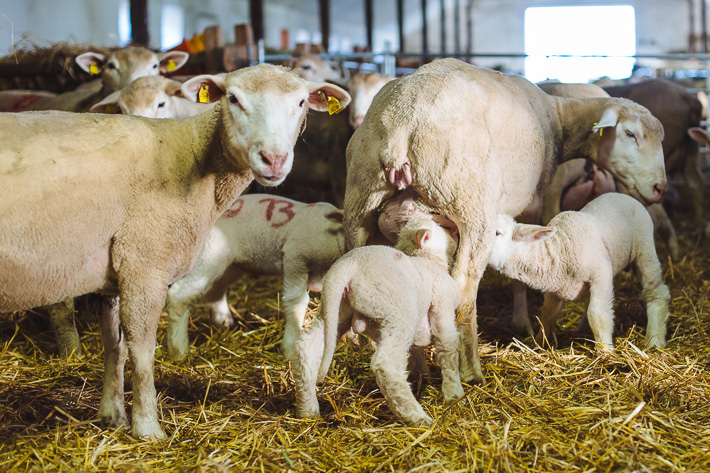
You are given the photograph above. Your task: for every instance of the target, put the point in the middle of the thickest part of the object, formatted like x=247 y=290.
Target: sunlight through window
x=579 y=31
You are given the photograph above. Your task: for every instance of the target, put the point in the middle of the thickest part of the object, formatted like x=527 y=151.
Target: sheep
x=579 y=253
x=152 y=97
x=315 y=69
x=117 y=70
x=320 y=154
x=122 y=205
x=399 y=297
x=266 y=235
x=473 y=143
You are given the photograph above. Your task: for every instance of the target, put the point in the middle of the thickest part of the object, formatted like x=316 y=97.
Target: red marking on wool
x=234 y=210
x=398 y=256
x=286 y=209
x=24 y=103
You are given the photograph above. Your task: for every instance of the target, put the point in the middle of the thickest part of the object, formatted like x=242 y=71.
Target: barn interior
x=229 y=405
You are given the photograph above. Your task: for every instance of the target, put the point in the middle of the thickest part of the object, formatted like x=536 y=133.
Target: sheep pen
x=230 y=406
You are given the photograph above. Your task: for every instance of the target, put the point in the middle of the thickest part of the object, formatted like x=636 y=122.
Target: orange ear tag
x=171 y=66
x=204 y=95
x=93 y=69
x=333 y=104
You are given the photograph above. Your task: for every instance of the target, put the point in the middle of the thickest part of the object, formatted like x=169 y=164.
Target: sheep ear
x=171 y=61
x=107 y=104
x=422 y=238
x=336 y=216
x=698 y=134
x=319 y=94
x=531 y=233
x=87 y=59
x=609 y=119
x=213 y=84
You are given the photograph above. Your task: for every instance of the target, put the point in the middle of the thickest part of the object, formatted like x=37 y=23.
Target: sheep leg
x=665 y=228
x=695 y=181
x=417 y=363
x=142 y=298
x=295 y=301
x=445 y=335
x=61 y=317
x=216 y=297
x=521 y=319
x=550 y=311
x=389 y=363
x=220 y=314
x=361 y=203
x=178 y=320
x=112 y=409
x=308 y=348
x=600 y=312
x=655 y=293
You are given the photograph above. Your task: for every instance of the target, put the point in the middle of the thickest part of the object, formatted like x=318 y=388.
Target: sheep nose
x=357 y=121
x=658 y=192
x=274 y=162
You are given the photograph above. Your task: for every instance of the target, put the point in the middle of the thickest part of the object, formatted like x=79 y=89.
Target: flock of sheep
x=144 y=214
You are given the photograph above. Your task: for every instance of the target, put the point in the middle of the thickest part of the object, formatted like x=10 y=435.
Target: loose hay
x=229 y=407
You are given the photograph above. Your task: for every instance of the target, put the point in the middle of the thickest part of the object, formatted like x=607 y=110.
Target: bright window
x=124 y=23
x=579 y=31
x=172 y=26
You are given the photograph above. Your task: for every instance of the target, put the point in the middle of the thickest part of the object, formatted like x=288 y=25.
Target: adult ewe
x=474 y=143
x=121 y=206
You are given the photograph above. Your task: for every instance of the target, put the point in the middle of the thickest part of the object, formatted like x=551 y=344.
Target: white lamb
x=581 y=252
x=267 y=235
x=397 y=300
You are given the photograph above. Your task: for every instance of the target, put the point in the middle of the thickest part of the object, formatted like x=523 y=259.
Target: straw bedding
x=229 y=406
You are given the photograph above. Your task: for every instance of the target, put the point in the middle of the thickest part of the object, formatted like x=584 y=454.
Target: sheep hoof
x=452 y=395
x=113 y=418
x=419 y=420
x=148 y=429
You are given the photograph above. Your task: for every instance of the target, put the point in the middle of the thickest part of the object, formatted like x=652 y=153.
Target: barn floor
x=229 y=407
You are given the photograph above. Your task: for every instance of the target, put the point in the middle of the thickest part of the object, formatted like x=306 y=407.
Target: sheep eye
x=111 y=65
x=161 y=105
x=233 y=98
x=630 y=134
x=155 y=66
x=498 y=233
x=306 y=67
x=301 y=104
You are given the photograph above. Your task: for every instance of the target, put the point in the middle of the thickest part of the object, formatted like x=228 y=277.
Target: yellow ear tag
x=93 y=69
x=204 y=95
x=171 y=65
x=600 y=129
x=110 y=108
x=333 y=104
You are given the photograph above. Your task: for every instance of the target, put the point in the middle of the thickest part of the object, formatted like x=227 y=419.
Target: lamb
x=117 y=70
x=266 y=235
x=363 y=87
x=579 y=253
x=473 y=143
x=152 y=97
x=399 y=297
x=121 y=206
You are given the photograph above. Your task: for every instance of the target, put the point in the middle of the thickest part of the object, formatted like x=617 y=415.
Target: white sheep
x=473 y=143
x=122 y=205
x=400 y=298
x=363 y=87
x=313 y=68
x=263 y=234
x=579 y=253
x=117 y=70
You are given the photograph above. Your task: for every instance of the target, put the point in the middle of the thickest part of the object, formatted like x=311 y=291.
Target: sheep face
x=312 y=68
x=630 y=148
x=262 y=110
x=144 y=97
x=363 y=88
x=126 y=65
x=511 y=236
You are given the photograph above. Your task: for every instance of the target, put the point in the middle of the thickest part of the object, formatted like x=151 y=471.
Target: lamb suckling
x=121 y=206
x=579 y=253
x=400 y=297
x=260 y=234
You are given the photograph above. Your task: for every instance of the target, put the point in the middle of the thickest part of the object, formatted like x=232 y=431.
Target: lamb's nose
x=658 y=192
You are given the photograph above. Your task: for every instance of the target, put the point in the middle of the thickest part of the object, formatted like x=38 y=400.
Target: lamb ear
x=178 y=58
x=421 y=238
x=106 y=104
x=87 y=59
x=698 y=134
x=609 y=118
x=214 y=83
x=531 y=233
x=319 y=93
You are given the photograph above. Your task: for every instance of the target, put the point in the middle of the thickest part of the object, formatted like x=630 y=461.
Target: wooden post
x=442 y=4
x=691 y=26
x=139 y=22
x=457 y=27
x=368 y=24
x=256 y=12
x=425 y=40
x=703 y=27
x=400 y=24
x=469 y=28
x=324 y=7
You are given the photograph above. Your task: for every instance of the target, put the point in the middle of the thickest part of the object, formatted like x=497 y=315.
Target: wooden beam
x=703 y=27
x=442 y=4
x=139 y=22
x=256 y=12
x=469 y=27
x=368 y=24
x=324 y=7
x=400 y=24
x=425 y=39
x=457 y=26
